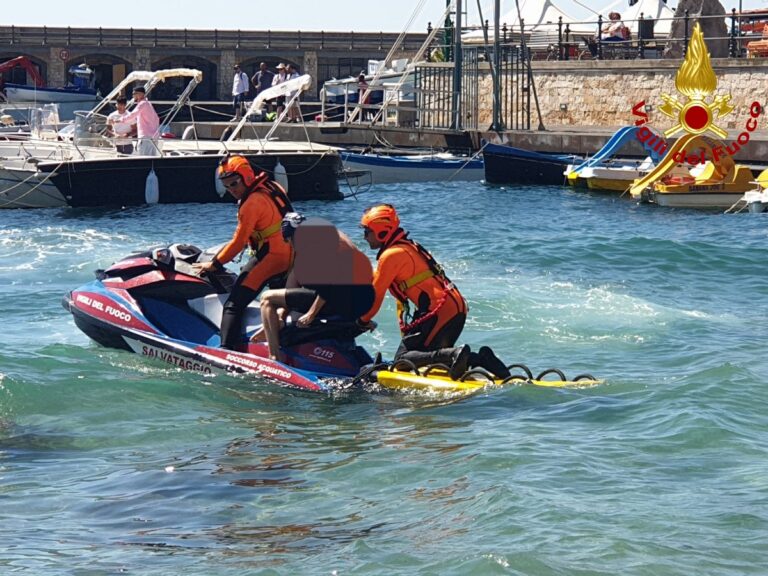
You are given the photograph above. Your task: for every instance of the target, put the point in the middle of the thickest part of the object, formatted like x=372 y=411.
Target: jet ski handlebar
x=182 y=257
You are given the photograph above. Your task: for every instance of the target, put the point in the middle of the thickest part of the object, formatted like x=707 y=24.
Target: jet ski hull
x=179 y=354
x=154 y=305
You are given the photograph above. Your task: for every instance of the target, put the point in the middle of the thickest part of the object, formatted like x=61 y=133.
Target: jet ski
x=155 y=304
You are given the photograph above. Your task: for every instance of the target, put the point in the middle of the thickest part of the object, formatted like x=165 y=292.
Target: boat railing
x=650 y=36
x=290 y=90
x=387 y=103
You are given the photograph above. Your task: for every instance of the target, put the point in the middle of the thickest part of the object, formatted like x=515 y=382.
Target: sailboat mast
x=497 y=126
x=457 y=65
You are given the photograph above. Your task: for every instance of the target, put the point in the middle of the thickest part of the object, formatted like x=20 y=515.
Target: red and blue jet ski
x=154 y=304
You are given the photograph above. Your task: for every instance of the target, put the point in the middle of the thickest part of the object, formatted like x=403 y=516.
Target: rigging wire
x=358 y=109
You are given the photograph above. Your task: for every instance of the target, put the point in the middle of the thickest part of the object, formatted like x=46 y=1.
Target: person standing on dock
x=263 y=80
x=240 y=89
x=279 y=78
x=293 y=112
x=363 y=97
x=147 y=123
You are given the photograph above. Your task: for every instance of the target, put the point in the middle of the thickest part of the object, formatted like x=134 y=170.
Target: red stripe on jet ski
x=263 y=366
x=105 y=309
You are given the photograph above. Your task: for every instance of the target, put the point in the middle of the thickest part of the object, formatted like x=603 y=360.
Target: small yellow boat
x=437 y=380
x=719 y=184
x=709 y=190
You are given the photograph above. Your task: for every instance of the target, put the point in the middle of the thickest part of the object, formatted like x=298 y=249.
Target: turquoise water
x=110 y=464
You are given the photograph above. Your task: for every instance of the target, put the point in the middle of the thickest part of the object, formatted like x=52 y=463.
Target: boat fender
x=280 y=176
x=218 y=184
x=152 y=188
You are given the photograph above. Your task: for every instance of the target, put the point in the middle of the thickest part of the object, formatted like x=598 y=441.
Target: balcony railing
x=203 y=39
x=571 y=40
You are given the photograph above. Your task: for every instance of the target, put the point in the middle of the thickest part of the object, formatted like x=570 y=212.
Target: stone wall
x=55 y=49
x=603 y=93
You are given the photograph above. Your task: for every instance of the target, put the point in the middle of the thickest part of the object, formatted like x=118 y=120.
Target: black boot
x=456 y=359
x=367 y=373
x=460 y=362
x=491 y=362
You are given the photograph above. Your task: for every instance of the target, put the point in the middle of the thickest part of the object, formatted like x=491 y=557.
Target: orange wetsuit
x=441 y=310
x=258 y=226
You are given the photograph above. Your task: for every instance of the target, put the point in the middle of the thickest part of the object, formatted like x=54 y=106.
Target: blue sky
x=329 y=15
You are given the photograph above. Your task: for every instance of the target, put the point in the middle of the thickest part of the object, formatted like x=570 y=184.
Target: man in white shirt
x=240 y=87
x=293 y=111
x=119 y=130
x=279 y=78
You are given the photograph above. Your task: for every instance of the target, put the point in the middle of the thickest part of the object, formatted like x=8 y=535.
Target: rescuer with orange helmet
x=262 y=203
x=412 y=275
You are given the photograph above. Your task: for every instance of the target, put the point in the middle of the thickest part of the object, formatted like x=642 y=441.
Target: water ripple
x=109 y=464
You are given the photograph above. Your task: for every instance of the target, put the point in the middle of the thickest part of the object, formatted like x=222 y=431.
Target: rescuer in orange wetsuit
x=412 y=275
x=262 y=203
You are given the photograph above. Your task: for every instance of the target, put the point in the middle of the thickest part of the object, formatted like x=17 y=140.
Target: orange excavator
x=26 y=64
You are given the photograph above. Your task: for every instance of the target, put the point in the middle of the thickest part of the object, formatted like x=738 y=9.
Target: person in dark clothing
x=330 y=277
x=263 y=80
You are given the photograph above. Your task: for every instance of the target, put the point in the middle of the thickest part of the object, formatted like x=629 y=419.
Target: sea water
x=111 y=464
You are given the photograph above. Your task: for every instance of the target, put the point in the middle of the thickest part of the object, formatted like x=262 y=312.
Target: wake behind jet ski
x=154 y=304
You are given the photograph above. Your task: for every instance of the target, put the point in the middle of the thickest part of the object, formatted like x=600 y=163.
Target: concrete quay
x=580 y=140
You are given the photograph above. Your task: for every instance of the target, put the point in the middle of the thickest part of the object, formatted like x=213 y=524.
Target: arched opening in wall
x=108 y=71
x=173 y=87
x=18 y=74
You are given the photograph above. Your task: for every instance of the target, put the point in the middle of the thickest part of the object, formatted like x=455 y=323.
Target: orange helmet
x=236 y=165
x=382 y=220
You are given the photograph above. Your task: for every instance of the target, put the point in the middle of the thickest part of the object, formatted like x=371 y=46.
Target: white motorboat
x=434 y=167
x=80 y=95
x=756 y=201
x=17 y=93
x=22 y=185
x=185 y=170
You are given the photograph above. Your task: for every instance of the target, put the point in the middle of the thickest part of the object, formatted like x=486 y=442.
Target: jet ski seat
x=212 y=306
